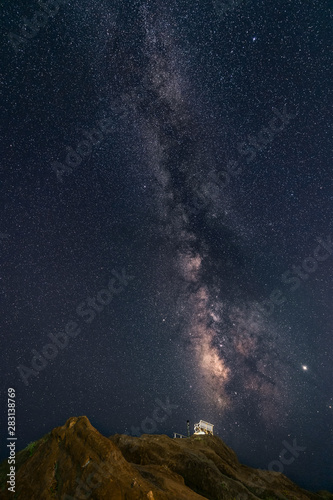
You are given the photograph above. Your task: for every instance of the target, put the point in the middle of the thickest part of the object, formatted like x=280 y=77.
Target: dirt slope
x=76 y=462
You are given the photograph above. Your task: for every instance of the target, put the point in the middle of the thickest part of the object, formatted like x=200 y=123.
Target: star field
x=167 y=188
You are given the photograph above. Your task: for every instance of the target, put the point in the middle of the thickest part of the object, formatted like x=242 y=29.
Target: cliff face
x=76 y=462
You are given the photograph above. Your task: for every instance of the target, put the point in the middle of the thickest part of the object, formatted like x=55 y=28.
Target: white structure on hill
x=200 y=428
x=203 y=428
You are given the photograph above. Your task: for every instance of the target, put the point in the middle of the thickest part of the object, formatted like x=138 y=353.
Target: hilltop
x=75 y=461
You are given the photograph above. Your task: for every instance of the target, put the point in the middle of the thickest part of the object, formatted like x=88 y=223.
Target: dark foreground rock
x=76 y=462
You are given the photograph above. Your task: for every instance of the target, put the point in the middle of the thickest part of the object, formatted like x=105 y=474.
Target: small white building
x=200 y=428
x=203 y=428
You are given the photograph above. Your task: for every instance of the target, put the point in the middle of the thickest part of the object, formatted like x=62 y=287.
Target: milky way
x=210 y=184
x=232 y=347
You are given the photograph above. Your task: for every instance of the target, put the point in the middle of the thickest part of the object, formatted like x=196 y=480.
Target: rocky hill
x=76 y=462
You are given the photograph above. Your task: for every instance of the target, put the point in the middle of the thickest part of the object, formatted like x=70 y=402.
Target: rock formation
x=76 y=462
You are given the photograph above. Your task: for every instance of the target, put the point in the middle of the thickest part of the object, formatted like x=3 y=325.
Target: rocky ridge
x=75 y=462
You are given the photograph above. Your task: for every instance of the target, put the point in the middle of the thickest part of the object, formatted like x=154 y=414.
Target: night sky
x=166 y=221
